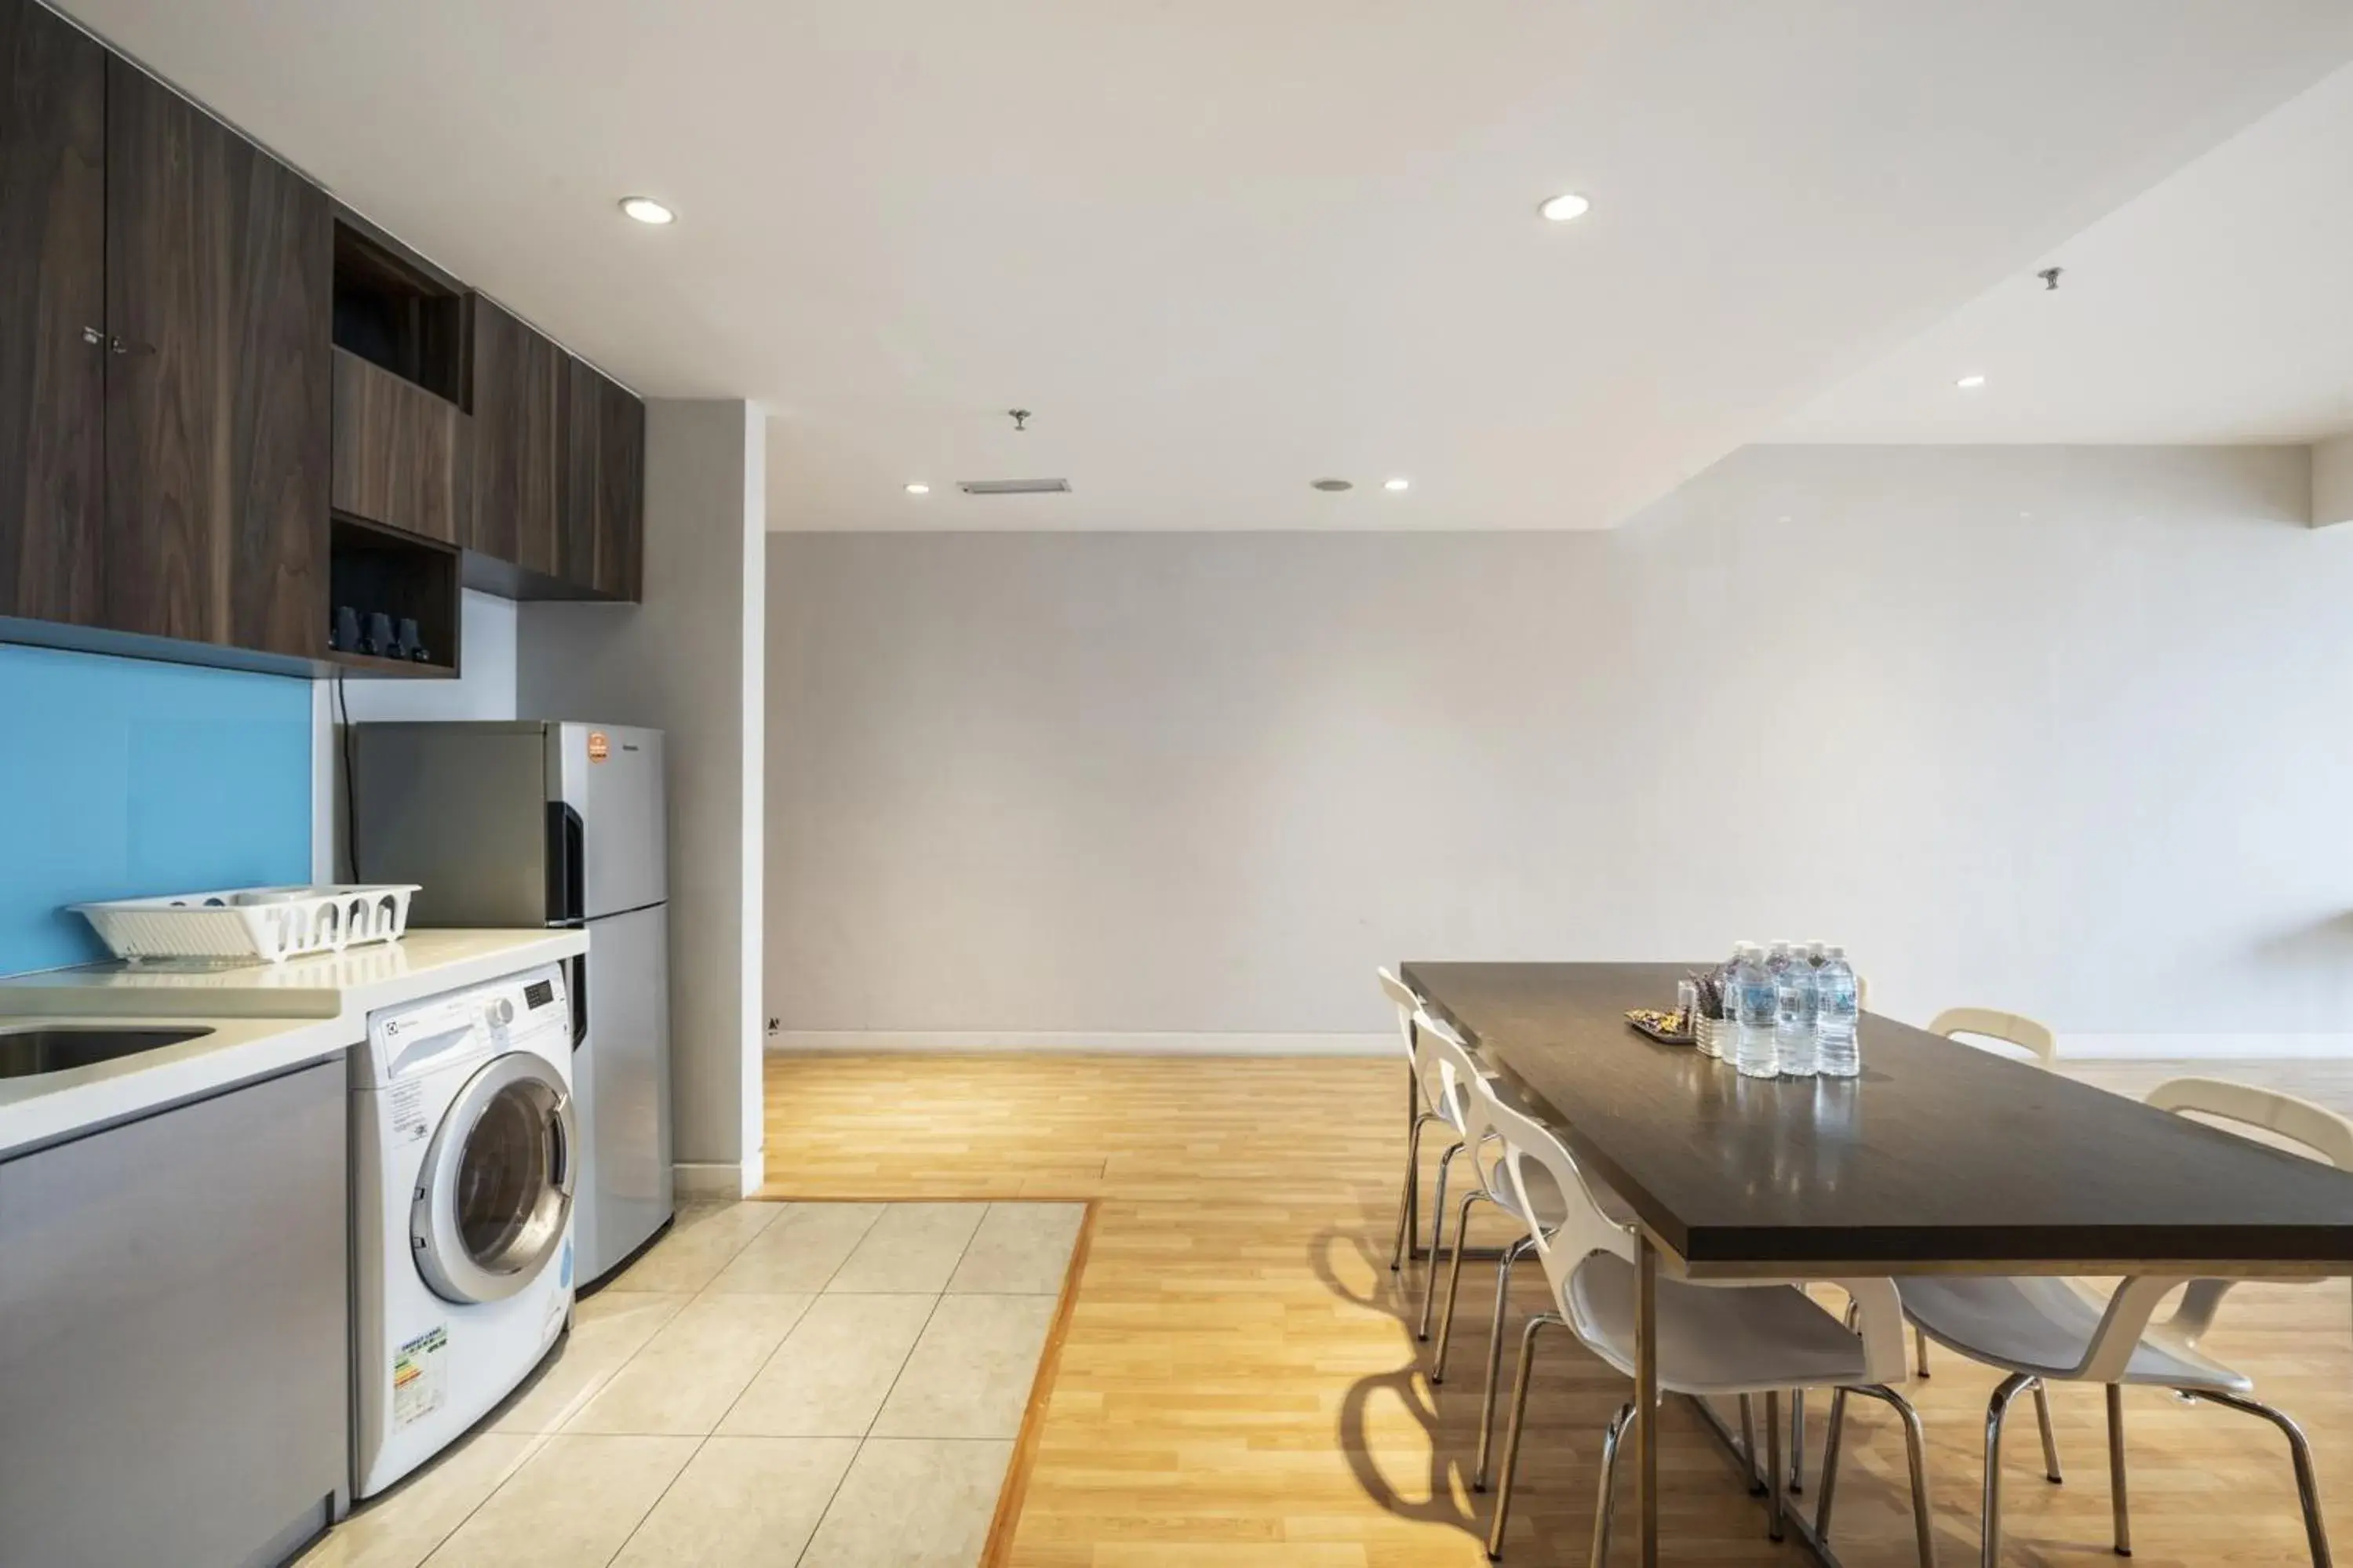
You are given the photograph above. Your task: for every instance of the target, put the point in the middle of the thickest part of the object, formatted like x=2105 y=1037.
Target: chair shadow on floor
x=1412 y=1447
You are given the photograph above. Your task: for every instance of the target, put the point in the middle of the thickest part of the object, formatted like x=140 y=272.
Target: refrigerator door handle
x=579 y=1000
x=568 y=892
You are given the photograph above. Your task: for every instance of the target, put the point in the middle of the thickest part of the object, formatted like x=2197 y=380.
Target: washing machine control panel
x=501 y=1012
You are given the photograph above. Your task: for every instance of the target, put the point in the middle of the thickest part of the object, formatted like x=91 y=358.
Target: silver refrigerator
x=529 y=823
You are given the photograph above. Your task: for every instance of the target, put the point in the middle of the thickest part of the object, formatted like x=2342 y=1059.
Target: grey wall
x=2059 y=731
x=687 y=660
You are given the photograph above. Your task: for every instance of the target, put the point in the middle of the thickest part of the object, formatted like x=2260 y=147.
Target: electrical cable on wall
x=351 y=807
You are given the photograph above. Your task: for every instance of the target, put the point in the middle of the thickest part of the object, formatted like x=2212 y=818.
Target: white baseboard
x=2198 y=1048
x=1145 y=1044
x=714 y=1179
x=1155 y=1043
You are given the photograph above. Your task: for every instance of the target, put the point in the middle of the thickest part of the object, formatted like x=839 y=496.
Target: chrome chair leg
x=2307 y=1485
x=1920 y=1347
x=1797 y=1439
x=1611 y=1438
x=1453 y=1285
x=1997 y=1411
x=1409 y=1201
x=2050 y=1443
x=1831 y=1438
x=1436 y=1232
x=1511 y=1254
x=1748 y=1444
x=1773 y=1527
x=1511 y=1433
x=1916 y=1452
x=2116 y=1470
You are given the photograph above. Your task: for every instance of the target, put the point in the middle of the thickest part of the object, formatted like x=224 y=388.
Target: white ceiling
x=2217 y=307
x=1227 y=247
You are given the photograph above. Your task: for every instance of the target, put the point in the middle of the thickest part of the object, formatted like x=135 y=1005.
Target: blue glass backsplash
x=121 y=777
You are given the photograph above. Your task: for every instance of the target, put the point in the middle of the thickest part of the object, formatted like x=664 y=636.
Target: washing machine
x=464 y=1158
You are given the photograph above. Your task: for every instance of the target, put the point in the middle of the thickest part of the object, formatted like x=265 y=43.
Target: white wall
x=485 y=686
x=2059 y=731
x=687 y=660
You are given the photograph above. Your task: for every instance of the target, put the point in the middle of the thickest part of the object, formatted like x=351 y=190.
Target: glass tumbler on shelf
x=1687 y=1007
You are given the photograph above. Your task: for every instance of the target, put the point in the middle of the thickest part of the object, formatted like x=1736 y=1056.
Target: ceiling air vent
x=1014 y=486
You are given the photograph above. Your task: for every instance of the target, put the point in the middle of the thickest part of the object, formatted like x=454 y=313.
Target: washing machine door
x=494 y=1193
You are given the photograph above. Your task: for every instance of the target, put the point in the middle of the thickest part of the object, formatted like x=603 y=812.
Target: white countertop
x=265 y=1018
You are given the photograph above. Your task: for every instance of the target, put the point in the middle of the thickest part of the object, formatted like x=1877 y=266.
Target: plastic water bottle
x=1795 y=1002
x=1753 y=1012
x=1841 y=1052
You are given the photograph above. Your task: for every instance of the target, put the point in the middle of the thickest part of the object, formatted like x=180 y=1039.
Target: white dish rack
x=251 y=925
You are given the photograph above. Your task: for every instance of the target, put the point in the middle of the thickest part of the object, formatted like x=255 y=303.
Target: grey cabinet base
x=174 y=1333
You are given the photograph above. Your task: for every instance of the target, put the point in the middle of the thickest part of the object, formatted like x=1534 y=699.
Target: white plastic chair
x=2012 y=1029
x=2038 y=1328
x=1452 y=1062
x=1423 y=1106
x=1712 y=1339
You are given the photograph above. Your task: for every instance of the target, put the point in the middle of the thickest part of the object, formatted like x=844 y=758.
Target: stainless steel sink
x=54 y=1047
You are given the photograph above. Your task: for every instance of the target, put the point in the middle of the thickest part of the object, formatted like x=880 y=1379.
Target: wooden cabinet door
x=576 y=533
x=52 y=314
x=404 y=458
x=517 y=377
x=600 y=541
x=620 y=493
x=219 y=287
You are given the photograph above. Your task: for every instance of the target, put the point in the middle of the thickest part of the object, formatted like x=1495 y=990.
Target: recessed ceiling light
x=1395 y=484
x=1970 y=383
x=919 y=489
x=1567 y=205
x=644 y=209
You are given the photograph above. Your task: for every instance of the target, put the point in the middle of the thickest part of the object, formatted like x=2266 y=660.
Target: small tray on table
x=1668 y=1028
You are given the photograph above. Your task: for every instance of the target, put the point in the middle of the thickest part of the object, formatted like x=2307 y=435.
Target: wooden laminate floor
x=1239 y=1387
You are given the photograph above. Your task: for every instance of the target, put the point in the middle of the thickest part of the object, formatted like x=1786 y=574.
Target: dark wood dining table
x=1940 y=1158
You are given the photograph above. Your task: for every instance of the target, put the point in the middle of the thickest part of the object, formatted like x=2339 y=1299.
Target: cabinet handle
x=119 y=346
x=94 y=337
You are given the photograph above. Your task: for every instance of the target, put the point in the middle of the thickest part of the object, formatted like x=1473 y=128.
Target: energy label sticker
x=420 y=1376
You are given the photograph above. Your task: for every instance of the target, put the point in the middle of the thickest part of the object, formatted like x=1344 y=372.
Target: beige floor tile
x=970 y=1374
x=703 y=1240
x=607 y=1329
x=742 y=1502
x=400 y=1529
x=693 y=1368
x=912 y=1503
x=800 y=1250
x=571 y=1505
x=830 y=1375
x=911 y=1250
x=1021 y=1249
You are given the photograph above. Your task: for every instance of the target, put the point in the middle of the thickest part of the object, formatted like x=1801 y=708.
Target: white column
x=2332 y=481
x=691 y=660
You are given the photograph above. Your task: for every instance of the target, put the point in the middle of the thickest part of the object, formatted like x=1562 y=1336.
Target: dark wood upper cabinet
x=517 y=386
x=219 y=283
x=600 y=541
x=620 y=493
x=404 y=457
x=52 y=315
x=229 y=408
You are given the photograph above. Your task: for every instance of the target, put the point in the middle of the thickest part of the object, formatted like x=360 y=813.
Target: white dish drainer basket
x=250 y=925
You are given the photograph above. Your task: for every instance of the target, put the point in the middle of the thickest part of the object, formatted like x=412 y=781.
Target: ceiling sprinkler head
x=1020 y=418
x=2049 y=276
x=1332 y=487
